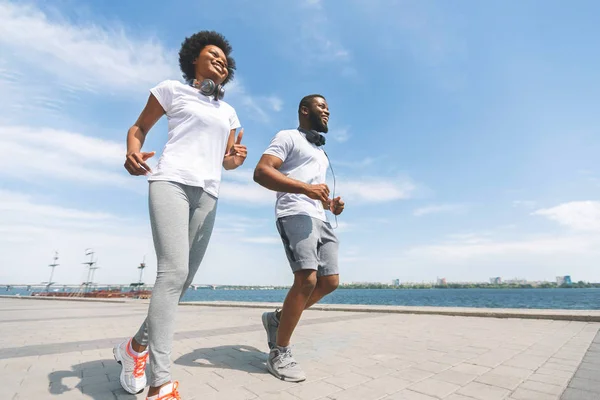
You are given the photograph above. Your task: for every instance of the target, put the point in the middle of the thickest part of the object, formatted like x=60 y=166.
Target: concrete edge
x=558 y=315
x=561 y=315
x=50 y=298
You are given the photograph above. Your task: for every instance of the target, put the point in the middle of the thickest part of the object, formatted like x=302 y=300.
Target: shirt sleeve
x=234 y=122
x=281 y=145
x=164 y=94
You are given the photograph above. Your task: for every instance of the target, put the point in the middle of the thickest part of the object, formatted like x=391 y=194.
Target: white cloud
x=239 y=187
x=31 y=153
x=524 y=203
x=53 y=60
x=577 y=215
x=33 y=227
x=259 y=108
x=313 y=3
x=339 y=135
x=477 y=258
x=82 y=56
x=376 y=190
x=309 y=37
x=438 y=209
x=275 y=102
x=342 y=226
x=365 y=162
x=262 y=240
x=473 y=256
x=545 y=245
x=12 y=202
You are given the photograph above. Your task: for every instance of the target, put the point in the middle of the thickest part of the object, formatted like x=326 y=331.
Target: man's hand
x=238 y=151
x=318 y=192
x=135 y=163
x=336 y=205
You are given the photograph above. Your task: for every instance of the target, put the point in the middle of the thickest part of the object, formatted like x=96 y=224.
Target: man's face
x=318 y=114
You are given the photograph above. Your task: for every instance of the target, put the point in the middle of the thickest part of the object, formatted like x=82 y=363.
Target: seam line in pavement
x=67 y=347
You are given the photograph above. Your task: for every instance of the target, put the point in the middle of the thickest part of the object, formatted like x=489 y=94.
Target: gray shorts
x=309 y=244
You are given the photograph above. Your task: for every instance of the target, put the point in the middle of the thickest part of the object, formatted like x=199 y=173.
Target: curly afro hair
x=191 y=47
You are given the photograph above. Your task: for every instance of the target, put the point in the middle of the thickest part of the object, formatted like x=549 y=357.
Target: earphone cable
x=334 y=183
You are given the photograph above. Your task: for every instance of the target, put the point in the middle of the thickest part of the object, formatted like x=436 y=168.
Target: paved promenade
x=63 y=350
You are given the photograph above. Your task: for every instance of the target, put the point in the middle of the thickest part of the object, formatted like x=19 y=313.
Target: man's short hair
x=306 y=100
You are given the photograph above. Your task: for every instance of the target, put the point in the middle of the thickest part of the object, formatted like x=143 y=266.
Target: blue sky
x=464 y=135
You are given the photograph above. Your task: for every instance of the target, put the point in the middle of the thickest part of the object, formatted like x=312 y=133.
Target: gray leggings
x=182 y=219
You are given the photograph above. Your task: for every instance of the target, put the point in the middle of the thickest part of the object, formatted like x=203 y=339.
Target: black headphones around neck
x=208 y=87
x=313 y=137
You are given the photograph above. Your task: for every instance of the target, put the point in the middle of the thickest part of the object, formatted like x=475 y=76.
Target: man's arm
x=267 y=174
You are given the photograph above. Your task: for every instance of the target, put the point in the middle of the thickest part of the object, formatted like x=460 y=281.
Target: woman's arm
x=135 y=162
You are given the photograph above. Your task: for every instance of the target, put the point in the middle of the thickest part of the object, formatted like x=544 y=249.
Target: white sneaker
x=167 y=392
x=282 y=365
x=133 y=368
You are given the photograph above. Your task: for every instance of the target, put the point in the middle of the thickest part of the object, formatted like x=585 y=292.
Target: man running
x=295 y=166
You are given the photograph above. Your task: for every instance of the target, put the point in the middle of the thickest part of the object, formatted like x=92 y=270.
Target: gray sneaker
x=281 y=364
x=271 y=323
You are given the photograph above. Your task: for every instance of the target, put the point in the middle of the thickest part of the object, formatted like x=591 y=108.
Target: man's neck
x=306 y=126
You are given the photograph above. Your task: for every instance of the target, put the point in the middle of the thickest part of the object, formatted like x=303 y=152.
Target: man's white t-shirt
x=302 y=161
x=199 y=128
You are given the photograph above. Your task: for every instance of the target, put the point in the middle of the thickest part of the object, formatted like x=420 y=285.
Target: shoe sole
x=117 y=356
x=283 y=378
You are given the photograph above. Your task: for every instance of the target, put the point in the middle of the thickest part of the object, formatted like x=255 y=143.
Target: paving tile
x=524 y=394
x=278 y=396
x=482 y=391
x=347 y=380
x=314 y=390
x=586 y=384
x=542 y=387
x=359 y=393
x=577 y=394
x=551 y=379
x=373 y=371
x=526 y=361
x=434 y=387
x=457 y=397
x=431 y=366
x=388 y=383
x=587 y=374
x=409 y=395
x=456 y=377
x=470 y=369
x=412 y=374
x=501 y=381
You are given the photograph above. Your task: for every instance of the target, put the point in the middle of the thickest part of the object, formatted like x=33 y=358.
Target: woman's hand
x=237 y=153
x=135 y=163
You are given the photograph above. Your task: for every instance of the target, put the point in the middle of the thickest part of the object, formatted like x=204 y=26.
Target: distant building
x=563 y=280
x=441 y=282
x=396 y=282
x=496 y=280
x=516 y=281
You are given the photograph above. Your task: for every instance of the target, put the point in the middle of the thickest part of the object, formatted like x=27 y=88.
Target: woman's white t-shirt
x=199 y=128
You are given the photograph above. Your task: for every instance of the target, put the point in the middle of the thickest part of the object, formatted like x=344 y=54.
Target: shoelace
x=174 y=395
x=139 y=365
x=287 y=360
